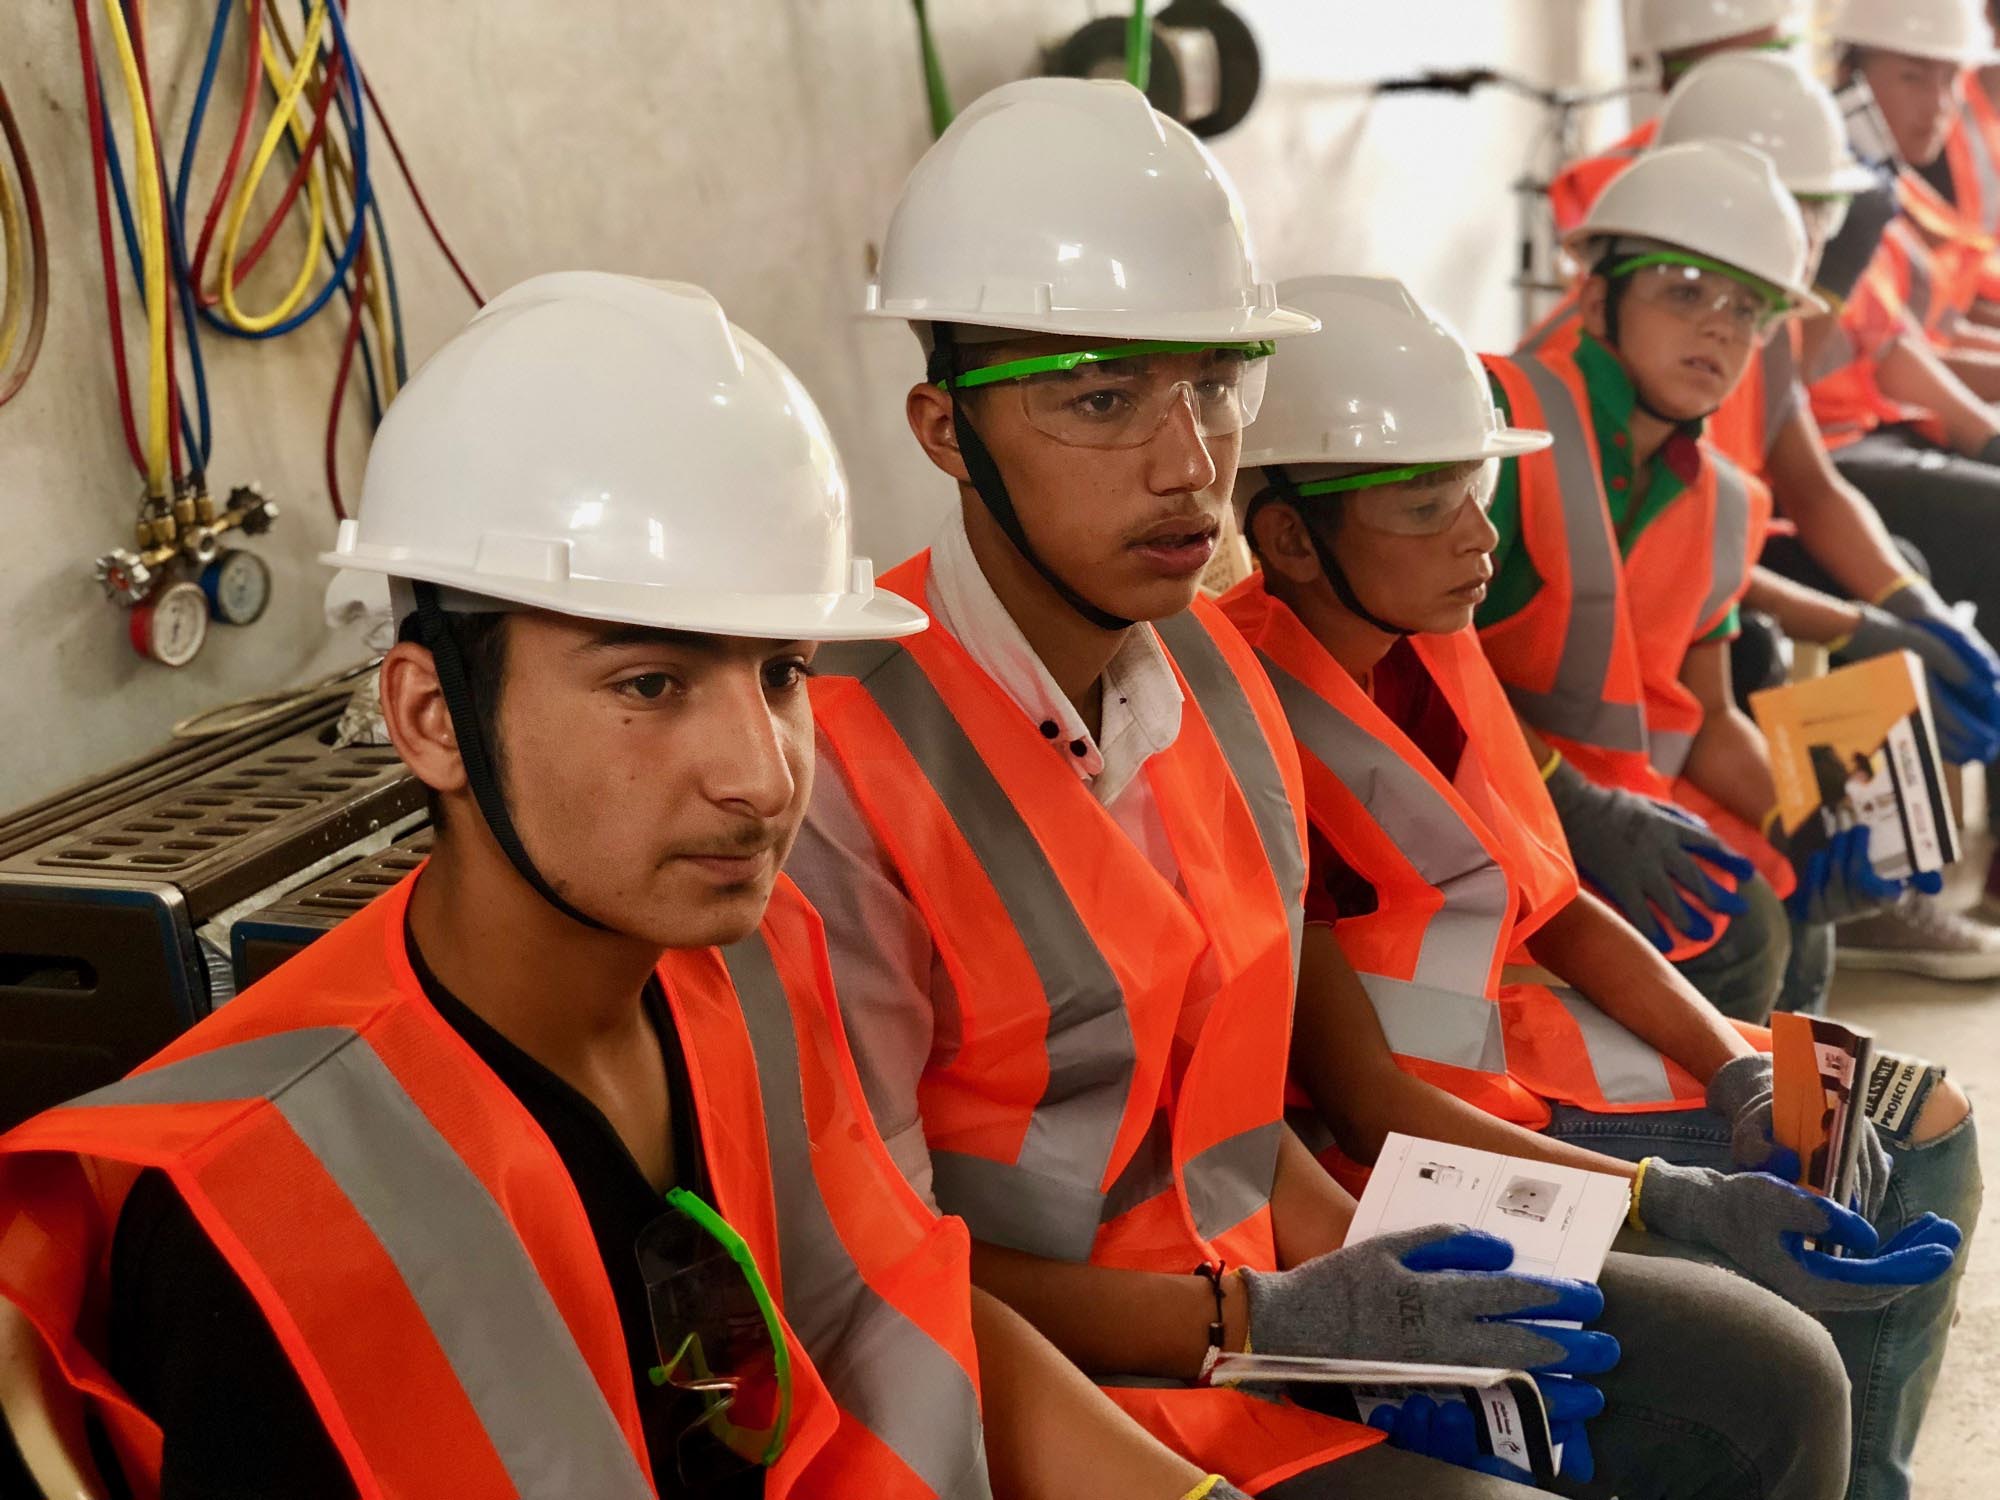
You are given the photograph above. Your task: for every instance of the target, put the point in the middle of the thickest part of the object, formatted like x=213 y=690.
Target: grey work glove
x=1437 y=1295
x=1963 y=671
x=1646 y=857
x=1224 y=1490
x=1761 y=1223
x=1741 y=1093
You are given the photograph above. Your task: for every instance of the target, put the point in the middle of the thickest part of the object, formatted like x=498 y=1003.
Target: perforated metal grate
x=178 y=829
x=347 y=890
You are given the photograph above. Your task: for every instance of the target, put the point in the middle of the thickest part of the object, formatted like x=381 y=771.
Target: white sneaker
x=1920 y=935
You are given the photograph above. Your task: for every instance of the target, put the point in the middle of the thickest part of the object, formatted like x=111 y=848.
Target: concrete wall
x=752 y=145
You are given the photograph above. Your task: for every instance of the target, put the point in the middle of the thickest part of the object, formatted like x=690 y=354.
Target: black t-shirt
x=190 y=1346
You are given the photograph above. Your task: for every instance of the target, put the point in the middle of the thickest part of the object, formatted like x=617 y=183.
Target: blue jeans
x=1892 y=1354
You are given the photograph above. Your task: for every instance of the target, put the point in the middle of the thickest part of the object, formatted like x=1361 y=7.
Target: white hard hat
x=610 y=447
x=1714 y=199
x=1070 y=206
x=1944 y=30
x=1385 y=384
x=1677 y=25
x=1772 y=105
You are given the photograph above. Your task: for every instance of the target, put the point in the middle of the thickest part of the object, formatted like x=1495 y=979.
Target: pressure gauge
x=170 y=627
x=238 y=586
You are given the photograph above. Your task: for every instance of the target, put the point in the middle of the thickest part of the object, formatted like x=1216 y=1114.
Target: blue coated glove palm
x=1448 y=1432
x=1762 y=1224
x=1437 y=1295
x=1647 y=858
x=1838 y=881
x=1741 y=1092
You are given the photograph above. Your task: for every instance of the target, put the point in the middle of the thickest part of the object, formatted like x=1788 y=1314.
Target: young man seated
x=1059 y=845
x=1437 y=858
x=484 y=1194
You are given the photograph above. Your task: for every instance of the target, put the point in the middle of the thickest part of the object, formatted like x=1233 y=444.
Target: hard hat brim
x=1222 y=326
x=1852 y=178
x=1504 y=442
x=879 y=615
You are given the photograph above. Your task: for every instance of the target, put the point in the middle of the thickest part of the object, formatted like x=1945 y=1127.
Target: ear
x=1592 y=298
x=929 y=412
x=419 y=723
x=1282 y=543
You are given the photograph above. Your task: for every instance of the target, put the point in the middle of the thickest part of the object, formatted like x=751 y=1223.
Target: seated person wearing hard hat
x=1679 y=34
x=1890 y=392
x=1624 y=550
x=1058 y=841
x=1437 y=854
x=548 y=1173
x=1766 y=428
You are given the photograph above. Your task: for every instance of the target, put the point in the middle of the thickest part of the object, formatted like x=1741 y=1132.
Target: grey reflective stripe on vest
x=1836 y=352
x=1918 y=298
x=1628 y=1070
x=1464 y=933
x=1728 y=563
x=1048 y=1201
x=1442 y=1026
x=1983 y=167
x=459 y=1258
x=1781 y=386
x=1252 y=761
x=1575 y=707
x=1555 y=325
x=883 y=1370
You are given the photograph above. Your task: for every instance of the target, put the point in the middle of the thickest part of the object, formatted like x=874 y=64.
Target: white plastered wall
x=751 y=145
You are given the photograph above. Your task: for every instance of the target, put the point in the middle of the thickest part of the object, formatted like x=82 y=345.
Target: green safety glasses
x=1118 y=396
x=1416 y=500
x=717 y=1333
x=1696 y=289
x=1825 y=215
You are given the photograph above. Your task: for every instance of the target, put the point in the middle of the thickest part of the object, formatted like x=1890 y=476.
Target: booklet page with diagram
x=1561 y=1222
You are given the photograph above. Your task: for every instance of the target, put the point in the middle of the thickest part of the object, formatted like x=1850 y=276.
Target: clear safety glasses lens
x=1825 y=217
x=1118 y=396
x=1698 y=291
x=1420 y=500
x=718 y=1338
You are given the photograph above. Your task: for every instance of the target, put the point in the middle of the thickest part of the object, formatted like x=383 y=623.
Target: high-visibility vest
x=1746 y=426
x=1938 y=248
x=1593 y=661
x=1577 y=186
x=424 y=1261
x=1114 y=1087
x=1464 y=869
x=1981 y=121
x=1842 y=382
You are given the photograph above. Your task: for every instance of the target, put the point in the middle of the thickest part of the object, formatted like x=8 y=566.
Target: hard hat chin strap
x=992 y=489
x=481 y=775
x=1282 y=487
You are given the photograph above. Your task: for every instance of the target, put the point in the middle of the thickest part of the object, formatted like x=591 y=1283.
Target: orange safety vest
x=1981 y=121
x=1577 y=186
x=1593 y=661
x=1114 y=1092
x=1746 y=426
x=1464 y=871
x=424 y=1260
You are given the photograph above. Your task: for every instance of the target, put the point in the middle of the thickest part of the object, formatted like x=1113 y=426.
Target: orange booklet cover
x=1859 y=743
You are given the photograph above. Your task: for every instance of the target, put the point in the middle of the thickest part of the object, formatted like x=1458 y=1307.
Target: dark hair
x=482 y=645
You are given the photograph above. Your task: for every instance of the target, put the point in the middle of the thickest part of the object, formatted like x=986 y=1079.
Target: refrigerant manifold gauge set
x=183 y=573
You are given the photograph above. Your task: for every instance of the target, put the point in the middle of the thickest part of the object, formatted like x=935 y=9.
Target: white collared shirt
x=895 y=993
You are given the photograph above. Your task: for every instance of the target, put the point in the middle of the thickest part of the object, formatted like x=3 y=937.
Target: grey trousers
x=1743 y=971
x=1725 y=1392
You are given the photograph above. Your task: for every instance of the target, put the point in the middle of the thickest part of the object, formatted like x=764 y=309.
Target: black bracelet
x=1211 y=1272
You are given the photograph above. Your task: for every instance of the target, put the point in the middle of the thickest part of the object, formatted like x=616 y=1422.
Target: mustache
x=739 y=844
